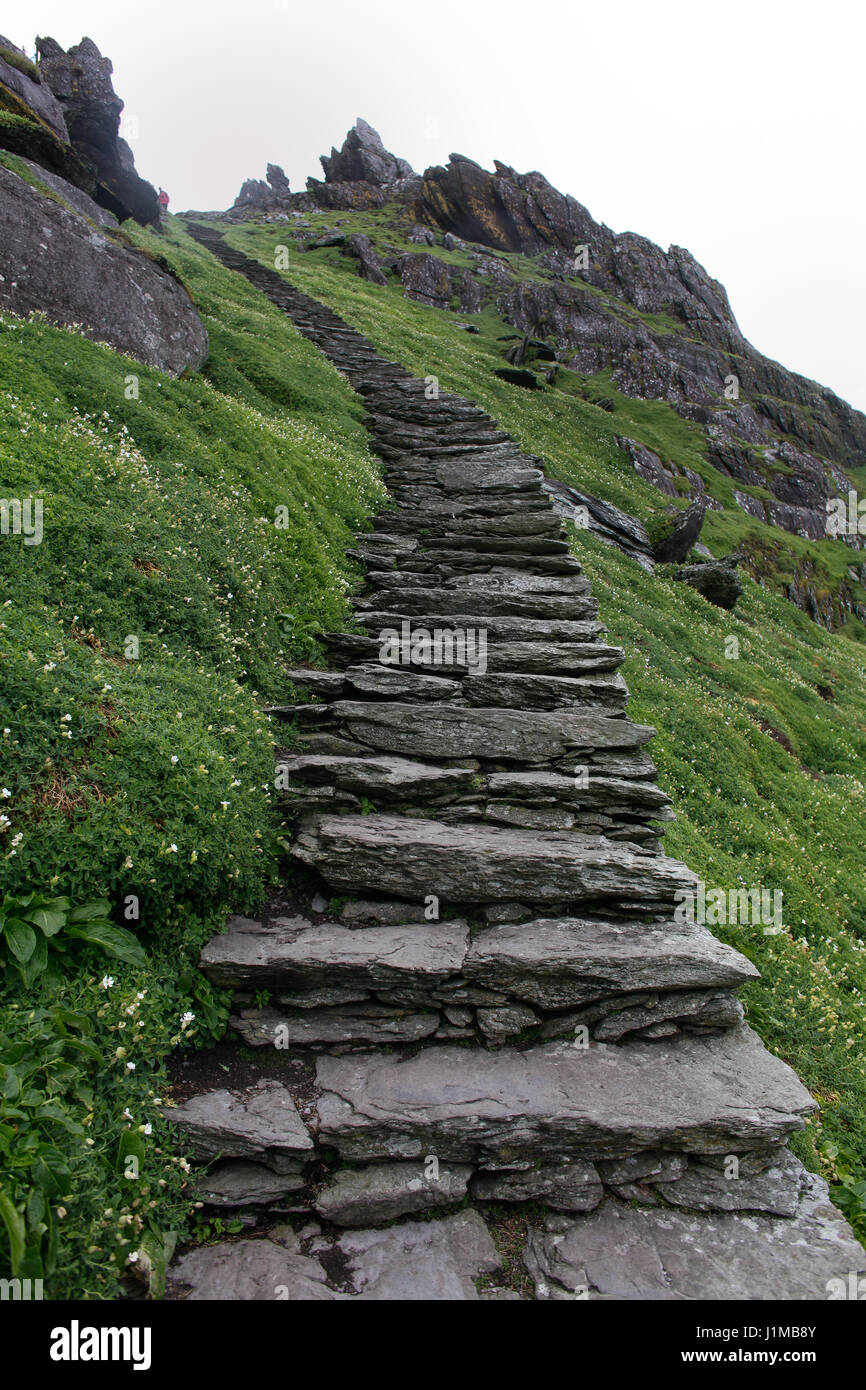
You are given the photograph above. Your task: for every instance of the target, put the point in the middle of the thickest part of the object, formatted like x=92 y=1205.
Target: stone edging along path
x=506 y=1008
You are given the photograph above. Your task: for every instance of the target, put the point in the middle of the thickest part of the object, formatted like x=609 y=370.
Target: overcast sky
x=733 y=128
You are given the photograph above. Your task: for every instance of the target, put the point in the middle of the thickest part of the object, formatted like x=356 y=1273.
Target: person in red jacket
x=163 y=200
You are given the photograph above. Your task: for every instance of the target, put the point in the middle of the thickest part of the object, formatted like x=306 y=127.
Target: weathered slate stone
x=379 y=777
x=397 y=683
x=456 y=732
x=620 y=1252
x=718 y=1094
x=567 y=1186
x=118 y=294
x=247 y=1271
x=361 y=1023
x=262 y=1122
x=477 y=863
x=239 y=1184
x=605 y=690
x=384 y=1191
x=421 y=1260
x=601 y=790
x=291 y=952
x=559 y=962
x=775 y=1189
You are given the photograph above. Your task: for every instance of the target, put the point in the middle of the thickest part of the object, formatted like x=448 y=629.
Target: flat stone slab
x=261 y=1122
x=716 y=1094
x=249 y=1271
x=421 y=1260
x=776 y=1189
x=452 y=731
x=480 y=863
x=383 y=1191
x=291 y=952
x=566 y=961
x=382 y=776
x=606 y=689
x=622 y=1252
x=240 y=1184
x=412 y=1261
x=362 y=1023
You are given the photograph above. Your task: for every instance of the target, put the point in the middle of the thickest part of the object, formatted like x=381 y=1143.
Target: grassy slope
x=150 y=777
x=749 y=811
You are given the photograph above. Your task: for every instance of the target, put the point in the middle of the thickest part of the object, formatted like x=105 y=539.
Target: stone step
x=414 y=858
x=714 y=1095
x=333 y=983
x=496 y=733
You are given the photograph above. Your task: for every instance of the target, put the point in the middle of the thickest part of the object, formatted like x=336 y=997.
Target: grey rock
x=504 y=1021
x=421 y=1261
x=38 y=96
x=349 y=1023
x=776 y=1189
x=567 y=1186
x=630 y=1253
x=560 y=962
x=681 y=534
x=647 y=1167
x=52 y=260
x=289 y=951
x=363 y=158
x=248 y=1270
x=716 y=579
x=379 y=1193
x=455 y=732
x=261 y=1122
x=478 y=864
x=721 y=1094
x=239 y=1184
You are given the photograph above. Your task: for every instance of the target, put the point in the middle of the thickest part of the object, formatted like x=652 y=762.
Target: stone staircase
x=489 y=1007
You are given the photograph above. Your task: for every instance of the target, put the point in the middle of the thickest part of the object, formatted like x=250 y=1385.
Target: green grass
x=144 y=777
x=749 y=811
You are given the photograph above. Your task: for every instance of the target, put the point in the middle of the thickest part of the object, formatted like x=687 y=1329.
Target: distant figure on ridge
x=163 y=200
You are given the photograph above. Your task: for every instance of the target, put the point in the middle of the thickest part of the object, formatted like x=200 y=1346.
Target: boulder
x=680 y=534
x=371 y=1196
x=22 y=79
x=53 y=260
x=717 y=580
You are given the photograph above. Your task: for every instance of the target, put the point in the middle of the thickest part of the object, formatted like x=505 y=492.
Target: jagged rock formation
x=72 y=178
x=554 y=1031
x=362 y=173
x=58 y=255
x=80 y=80
x=261 y=198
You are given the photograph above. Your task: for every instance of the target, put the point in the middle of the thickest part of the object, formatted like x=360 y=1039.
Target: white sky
x=733 y=128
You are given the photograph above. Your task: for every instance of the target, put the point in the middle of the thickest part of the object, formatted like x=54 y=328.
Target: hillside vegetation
x=148 y=777
x=205 y=520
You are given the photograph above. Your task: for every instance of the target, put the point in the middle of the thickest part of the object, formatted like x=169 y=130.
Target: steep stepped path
x=506 y=1004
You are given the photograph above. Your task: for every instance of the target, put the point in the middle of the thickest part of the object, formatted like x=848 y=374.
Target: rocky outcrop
x=262 y=198
x=80 y=80
x=362 y=174
x=715 y=579
x=764 y=425
x=58 y=256
x=364 y=159
x=504 y=1000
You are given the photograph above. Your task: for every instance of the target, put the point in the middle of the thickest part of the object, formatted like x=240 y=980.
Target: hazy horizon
x=732 y=133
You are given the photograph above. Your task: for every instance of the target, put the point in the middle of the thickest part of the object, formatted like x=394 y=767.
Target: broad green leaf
x=117 y=941
x=96 y=910
x=21 y=939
